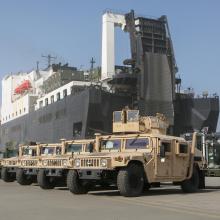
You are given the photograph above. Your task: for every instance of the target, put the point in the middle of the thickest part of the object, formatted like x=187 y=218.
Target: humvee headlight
x=77 y=163
x=103 y=162
x=44 y=162
x=65 y=163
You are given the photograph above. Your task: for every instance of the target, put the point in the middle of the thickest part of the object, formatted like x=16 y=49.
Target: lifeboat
x=26 y=85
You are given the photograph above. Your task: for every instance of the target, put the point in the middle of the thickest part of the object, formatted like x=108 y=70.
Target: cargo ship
x=65 y=102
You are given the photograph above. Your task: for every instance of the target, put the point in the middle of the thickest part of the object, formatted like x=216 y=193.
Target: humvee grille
x=90 y=162
x=56 y=163
x=29 y=163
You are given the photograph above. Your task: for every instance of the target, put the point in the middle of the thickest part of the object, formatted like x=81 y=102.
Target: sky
x=71 y=31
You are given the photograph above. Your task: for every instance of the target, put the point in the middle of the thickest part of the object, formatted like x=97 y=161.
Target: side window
x=58 y=150
x=167 y=146
x=183 y=148
x=111 y=144
x=117 y=116
x=140 y=143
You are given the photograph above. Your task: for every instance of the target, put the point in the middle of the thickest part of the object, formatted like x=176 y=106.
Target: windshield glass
x=133 y=116
x=117 y=116
x=49 y=150
x=111 y=144
x=73 y=148
x=11 y=153
x=137 y=143
x=28 y=152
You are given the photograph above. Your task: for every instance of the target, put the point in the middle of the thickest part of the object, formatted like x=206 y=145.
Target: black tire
x=23 y=179
x=130 y=180
x=191 y=185
x=201 y=179
x=6 y=176
x=75 y=185
x=44 y=181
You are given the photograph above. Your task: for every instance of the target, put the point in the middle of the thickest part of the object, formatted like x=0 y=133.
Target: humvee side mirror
x=162 y=151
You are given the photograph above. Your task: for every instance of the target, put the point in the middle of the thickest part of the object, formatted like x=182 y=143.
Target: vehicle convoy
x=137 y=155
x=56 y=159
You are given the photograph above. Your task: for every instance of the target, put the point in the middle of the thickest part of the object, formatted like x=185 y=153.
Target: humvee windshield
x=133 y=116
x=28 y=151
x=111 y=144
x=12 y=153
x=137 y=143
x=73 y=148
x=47 y=150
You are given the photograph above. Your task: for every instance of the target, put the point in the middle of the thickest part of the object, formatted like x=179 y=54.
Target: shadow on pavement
x=153 y=192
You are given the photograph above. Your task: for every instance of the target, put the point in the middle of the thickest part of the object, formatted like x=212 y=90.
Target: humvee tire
x=191 y=185
x=44 y=181
x=130 y=180
x=6 y=176
x=201 y=179
x=23 y=179
x=74 y=184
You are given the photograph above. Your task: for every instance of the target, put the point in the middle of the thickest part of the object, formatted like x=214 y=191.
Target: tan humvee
x=28 y=164
x=138 y=156
x=9 y=167
x=54 y=166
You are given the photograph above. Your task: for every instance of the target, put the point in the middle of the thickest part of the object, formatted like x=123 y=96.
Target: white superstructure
x=23 y=93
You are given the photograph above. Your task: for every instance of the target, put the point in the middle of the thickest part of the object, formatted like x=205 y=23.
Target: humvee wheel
x=130 y=181
x=22 y=179
x=6 y=176
x=201 y=179
x=191 y=185
x=44 y=181
x=74 y=184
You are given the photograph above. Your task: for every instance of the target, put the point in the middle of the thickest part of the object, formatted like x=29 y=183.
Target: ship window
x=111 y=144
x=46 y=101
x=72 y=90
x=77 y=129
x=137 y=143
x=58 y=96
x=64 y=93
x=52 y=99
x=40 y=105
